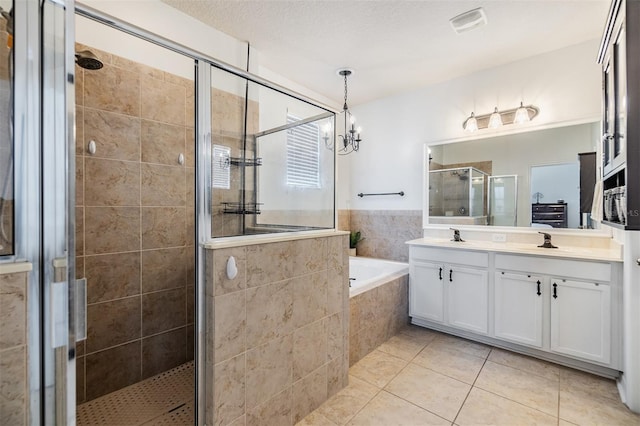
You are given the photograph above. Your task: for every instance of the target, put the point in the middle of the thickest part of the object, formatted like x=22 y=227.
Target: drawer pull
x=440 y=274
x=555 y=290
x=539 y=292
x=451 y=275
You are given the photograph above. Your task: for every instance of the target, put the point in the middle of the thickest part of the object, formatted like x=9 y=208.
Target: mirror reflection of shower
x=458 y=195
x=6 y=134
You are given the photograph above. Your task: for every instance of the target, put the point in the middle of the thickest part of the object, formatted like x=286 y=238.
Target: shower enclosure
x=117 y=178
x=457 y=195
x=135 y=228
x=272 y=170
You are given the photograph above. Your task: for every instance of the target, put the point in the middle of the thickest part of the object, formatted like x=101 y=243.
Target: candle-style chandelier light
x=350 y=140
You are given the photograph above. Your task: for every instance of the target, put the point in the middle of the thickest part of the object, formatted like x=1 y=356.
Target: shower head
x=88 y=60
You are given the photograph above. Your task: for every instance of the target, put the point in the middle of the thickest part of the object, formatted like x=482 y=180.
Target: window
x=303 y=154
x=221 y=176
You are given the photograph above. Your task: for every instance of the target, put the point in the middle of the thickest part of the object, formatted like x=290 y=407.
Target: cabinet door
x=581 y=319
x=467 y=295
x=425 y=291
x=518 y=308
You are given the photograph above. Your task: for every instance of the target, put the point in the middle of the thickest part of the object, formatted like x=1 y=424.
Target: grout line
x=558 y=412
x=472 y=386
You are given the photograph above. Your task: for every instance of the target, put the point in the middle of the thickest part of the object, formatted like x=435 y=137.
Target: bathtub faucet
x=456 y=235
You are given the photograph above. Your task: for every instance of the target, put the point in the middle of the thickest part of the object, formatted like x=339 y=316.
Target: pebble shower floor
x=164 y=399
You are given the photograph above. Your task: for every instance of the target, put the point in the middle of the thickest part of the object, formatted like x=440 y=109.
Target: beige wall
x=376 y=315
x=14 y=393
x=135 y=222
x=277 y=334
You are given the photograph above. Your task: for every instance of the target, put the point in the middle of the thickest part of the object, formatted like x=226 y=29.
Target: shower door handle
x=81 y=309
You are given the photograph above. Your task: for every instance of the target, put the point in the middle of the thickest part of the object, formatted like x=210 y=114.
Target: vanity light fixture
x=521 y=116
x=471 y=125
x=496 y=119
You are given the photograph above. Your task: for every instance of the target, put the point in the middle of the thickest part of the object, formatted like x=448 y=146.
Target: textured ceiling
x=394 y=45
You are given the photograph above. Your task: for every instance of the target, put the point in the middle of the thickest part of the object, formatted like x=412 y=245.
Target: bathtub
x=366 y=273
x=378 y=303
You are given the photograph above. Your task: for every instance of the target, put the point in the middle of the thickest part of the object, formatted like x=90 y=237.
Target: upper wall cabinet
x=620 y=57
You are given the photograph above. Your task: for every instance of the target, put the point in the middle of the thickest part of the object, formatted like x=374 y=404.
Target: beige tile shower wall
x=277 y=334
x=135 y=222
x=14 y=395
x=386 y=231
x=376 y=315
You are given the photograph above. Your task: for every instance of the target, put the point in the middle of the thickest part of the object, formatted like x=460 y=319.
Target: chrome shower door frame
x=58 y=284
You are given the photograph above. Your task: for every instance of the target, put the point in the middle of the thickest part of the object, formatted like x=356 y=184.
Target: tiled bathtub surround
x=13 y=348
x=386 y=231
x=344 y=221
x=277 y=334
x=376 y=315
x=135 y=222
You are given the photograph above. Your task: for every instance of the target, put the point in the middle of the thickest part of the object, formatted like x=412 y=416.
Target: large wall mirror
x=541 y=178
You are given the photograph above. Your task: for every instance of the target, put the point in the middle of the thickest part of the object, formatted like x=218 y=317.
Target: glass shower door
x=503 y=200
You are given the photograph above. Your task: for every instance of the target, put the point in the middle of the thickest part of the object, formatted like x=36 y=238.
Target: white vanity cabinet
x=561 y=309
x=467 y=292
x=518 y=306
x=581 y=319
x=449 y=287
x=426 y=292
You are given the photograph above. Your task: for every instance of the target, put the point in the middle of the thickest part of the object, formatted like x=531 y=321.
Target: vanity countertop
x=611 y=254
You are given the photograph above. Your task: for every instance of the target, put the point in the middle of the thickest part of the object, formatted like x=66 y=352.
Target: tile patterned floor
x=421 y=377
x=164 y=399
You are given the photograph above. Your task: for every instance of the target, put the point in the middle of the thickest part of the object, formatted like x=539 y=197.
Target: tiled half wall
x=277 y=334
x=384 y=231
x=14 y=393
x=134 y=222
x=376 y=315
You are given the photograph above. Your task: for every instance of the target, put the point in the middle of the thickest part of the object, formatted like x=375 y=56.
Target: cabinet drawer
x=548 y=209
x=591 y=271
x=448 y=255
x=548 y=216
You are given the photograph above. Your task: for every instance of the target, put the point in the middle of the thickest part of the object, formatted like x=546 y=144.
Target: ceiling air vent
x=468 y=21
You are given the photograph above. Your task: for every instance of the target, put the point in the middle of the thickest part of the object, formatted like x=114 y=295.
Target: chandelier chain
x=345 y=91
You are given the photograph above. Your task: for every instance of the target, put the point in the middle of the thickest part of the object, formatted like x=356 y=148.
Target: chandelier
x=350 y=140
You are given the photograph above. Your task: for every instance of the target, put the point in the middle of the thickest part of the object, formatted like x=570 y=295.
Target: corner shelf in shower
x=239 y=208
x=239 y=161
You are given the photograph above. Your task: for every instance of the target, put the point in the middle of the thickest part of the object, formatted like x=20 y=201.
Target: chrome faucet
x=547 y=241
x=456 y=235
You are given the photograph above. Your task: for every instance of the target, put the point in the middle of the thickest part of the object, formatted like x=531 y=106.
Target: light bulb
x=495 y=120
x=326 y=128
x=471 y=125
x=352 y=119
x=359 y=130
x=521 y=116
